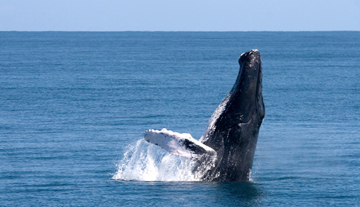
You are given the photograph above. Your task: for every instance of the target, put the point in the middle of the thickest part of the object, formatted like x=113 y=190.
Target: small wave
x=147 y=162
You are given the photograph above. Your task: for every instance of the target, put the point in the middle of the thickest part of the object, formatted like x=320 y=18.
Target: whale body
x=226 y=150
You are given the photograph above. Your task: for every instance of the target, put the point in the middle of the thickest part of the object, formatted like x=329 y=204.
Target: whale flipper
x=178 y=144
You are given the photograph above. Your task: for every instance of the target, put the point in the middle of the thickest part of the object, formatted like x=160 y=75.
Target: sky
x=179 y=15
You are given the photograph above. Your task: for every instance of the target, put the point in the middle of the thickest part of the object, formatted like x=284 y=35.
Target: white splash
x=147 y=162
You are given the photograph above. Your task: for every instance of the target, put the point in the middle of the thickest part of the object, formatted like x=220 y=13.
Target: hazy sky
x=179 y=15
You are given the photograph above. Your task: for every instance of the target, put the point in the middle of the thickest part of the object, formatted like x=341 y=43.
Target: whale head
x=246 y=93
x=234 y=126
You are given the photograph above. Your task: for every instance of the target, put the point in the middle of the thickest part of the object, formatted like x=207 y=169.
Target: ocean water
x=74 y=107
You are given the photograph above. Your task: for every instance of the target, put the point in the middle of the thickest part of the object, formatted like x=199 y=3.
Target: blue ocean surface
x=74 y=107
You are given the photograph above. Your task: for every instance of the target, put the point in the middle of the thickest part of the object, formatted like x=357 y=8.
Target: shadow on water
x=239 y=193
x=134 y=193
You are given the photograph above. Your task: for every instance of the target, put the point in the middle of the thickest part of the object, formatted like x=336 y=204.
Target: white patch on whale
x=181 y=144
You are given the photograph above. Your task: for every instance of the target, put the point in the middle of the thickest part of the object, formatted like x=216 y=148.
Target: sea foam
x=147 y=162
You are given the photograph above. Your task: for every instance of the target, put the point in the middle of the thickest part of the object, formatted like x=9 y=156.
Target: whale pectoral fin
x=178 y=144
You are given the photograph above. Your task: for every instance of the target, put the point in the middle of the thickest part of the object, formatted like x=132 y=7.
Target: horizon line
x=179 y=31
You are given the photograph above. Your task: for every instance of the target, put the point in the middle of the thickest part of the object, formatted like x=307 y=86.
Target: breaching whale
x=226 y=150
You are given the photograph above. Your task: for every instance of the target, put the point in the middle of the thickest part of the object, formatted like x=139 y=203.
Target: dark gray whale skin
x=234 y=127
